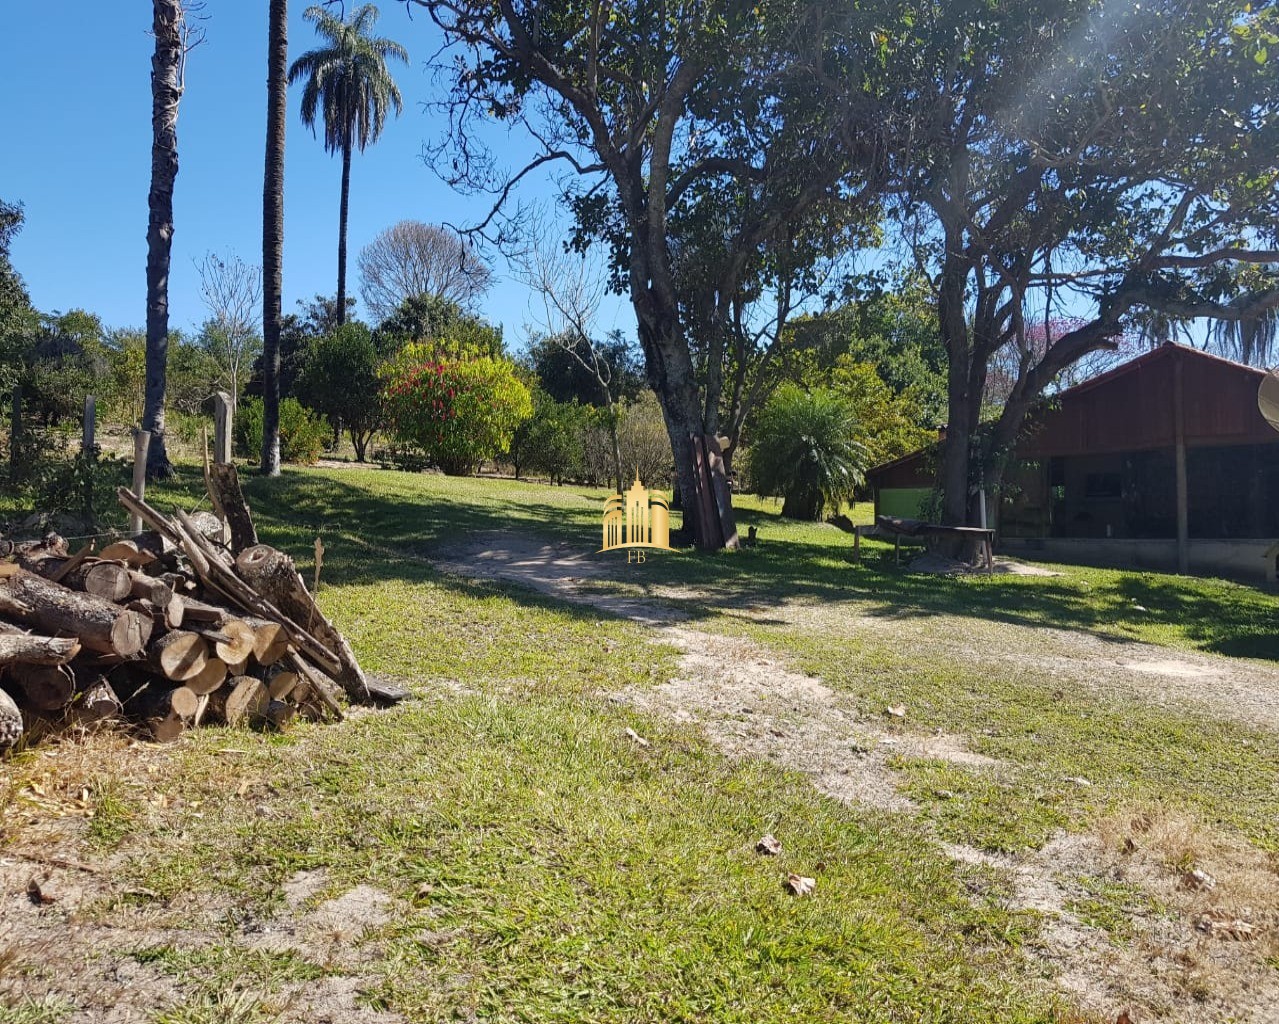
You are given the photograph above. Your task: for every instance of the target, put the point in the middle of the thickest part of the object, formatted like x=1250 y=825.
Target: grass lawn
x=540 y=865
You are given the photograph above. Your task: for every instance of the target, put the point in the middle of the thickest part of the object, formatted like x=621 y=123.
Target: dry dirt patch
x=750 y=704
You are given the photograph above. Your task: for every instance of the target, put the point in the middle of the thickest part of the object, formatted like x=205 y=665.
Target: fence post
x=221 y=427
x=141 y=445
x=15 y=434
x=89 y=451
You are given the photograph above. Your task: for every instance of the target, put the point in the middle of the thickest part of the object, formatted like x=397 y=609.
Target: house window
x=1103 y=486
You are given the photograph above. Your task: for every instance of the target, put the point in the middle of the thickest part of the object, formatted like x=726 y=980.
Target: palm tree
x=349 y=84
x=277 y=92
x=167 y=26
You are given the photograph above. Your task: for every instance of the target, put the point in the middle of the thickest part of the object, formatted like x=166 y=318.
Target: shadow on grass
x=392 y=521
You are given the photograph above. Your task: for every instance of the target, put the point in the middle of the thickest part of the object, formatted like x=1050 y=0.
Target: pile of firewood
x=168 y=629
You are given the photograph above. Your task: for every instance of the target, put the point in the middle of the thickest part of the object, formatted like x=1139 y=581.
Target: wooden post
x=89 y=450
x=141 y=445
x=1183 y=504
x=222 y=408
x=15 y=434
x=87 y=442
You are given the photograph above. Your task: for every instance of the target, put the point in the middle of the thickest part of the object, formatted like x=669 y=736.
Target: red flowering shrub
x=458 y=413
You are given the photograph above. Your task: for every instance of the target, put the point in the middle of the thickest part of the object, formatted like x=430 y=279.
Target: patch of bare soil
x=1189 y=920
x=940 y=565
x=749 y=704
x=75 y=939
x=1178 y=950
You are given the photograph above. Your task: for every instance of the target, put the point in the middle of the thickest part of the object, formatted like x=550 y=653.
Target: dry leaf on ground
x=769 y=846
x=636 y=737
x=799 y=885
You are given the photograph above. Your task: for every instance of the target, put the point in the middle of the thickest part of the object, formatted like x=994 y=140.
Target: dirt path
x=749 y=703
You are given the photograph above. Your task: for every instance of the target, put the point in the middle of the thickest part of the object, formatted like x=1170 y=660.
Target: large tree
x=702 y=158
x=350 y=88
x=411 y=259
x=173 y=39
x=277 y=95
x=1084 y=164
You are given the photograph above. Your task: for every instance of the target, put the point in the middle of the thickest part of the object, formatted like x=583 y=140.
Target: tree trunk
x=273 y=231
x=166 y=91
x=100 y=625
x=617 y=446
x=343 y=210
x=224 y=484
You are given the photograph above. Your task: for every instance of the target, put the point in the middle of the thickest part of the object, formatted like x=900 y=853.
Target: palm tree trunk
x=166 y=91
x=273 y=231
x=343 y=210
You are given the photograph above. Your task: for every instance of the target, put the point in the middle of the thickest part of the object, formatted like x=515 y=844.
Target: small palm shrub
x=805 y=451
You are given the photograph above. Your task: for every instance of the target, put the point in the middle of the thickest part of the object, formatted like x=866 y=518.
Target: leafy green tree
x=894 y=329
x=458 y=413
x=1107 y=163
x=891 y=424
x=448 y=331
x=66 y=360
x=806 y=451
x=706 y=156
x=561 y=366
x=340 y=381
x=552 y=440
x=15 y=303
x=349 y=86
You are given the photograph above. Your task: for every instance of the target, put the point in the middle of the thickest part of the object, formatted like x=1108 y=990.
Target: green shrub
x=302 y=433
x=458 y=413
x=551 y=441
x=804 y=451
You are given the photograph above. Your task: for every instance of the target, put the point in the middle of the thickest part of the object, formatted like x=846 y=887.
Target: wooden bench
x=900 y=528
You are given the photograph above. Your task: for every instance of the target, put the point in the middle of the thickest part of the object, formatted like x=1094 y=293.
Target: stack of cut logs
x=167 y=629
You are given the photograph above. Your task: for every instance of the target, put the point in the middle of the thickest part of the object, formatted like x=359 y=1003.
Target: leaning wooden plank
x=10 y=722
x=15 y=645
x=319 y=686
x=273 y=575
x=99 y=625
x=242 y=594
x=224 y=490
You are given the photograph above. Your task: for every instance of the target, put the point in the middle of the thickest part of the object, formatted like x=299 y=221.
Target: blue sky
x=78 y=113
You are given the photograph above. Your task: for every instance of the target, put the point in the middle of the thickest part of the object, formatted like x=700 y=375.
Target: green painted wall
x=903 y=502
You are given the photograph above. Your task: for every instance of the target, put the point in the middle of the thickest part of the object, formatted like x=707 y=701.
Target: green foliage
x=340 y=381
x=302 y=433
x=459 y=413
x=891 y=424
x=441 y=327
x=894 y=330
x=347 y=81
x=561 y=373
x=804 y=450
x=552 y=441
